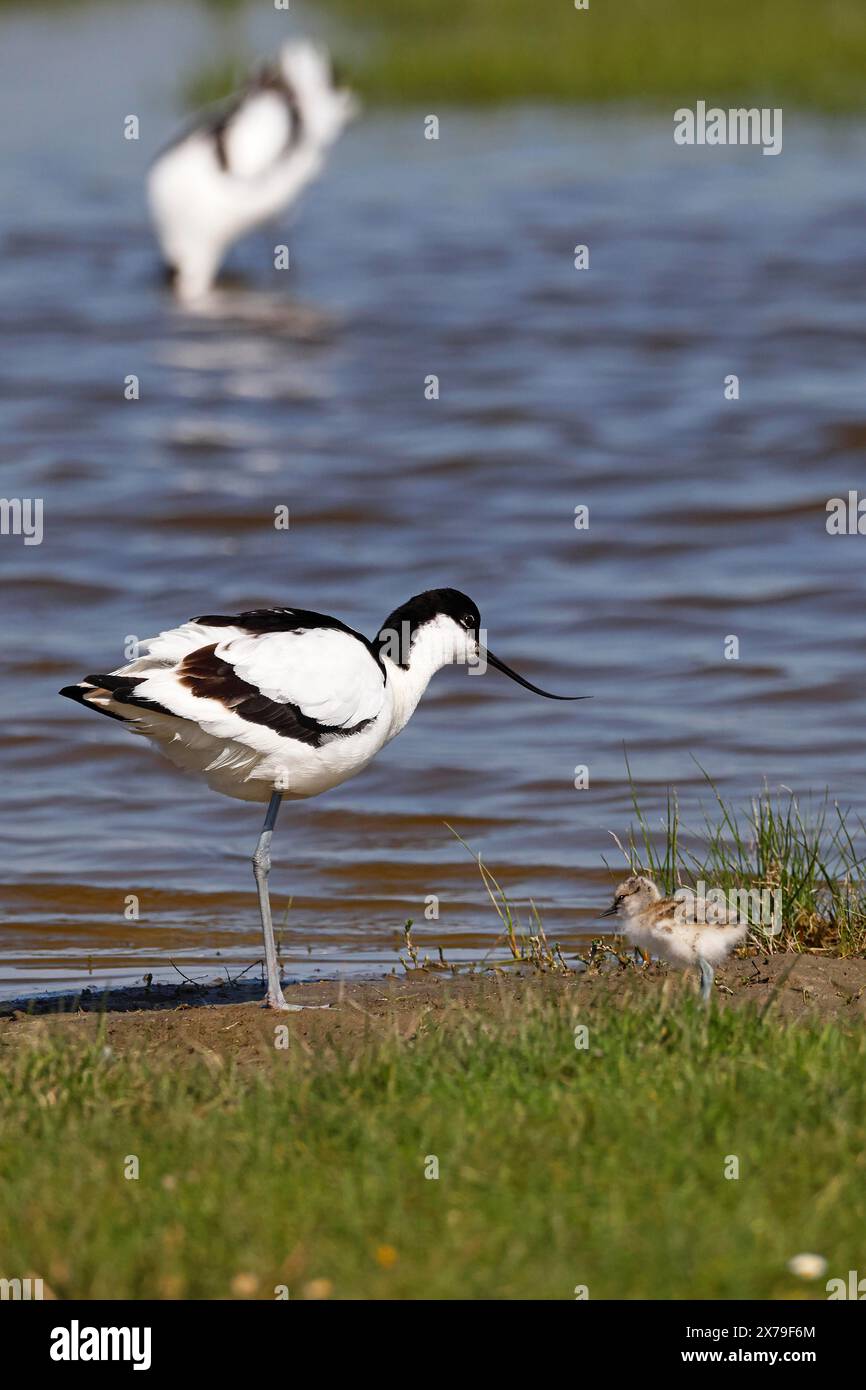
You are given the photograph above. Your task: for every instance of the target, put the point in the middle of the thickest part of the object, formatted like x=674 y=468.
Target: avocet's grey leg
x=707 y=977
x=261 y=868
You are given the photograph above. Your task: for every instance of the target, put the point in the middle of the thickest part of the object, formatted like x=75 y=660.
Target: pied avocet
x=283 y=702
x=244 y=164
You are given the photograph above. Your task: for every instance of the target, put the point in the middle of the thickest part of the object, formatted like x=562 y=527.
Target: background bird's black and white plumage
x=286 y=702
x=243 y=165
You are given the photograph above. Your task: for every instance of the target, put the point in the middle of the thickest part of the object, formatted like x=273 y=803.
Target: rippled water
x=558 y=388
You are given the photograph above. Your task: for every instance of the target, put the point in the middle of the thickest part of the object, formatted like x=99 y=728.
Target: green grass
x=808 y=854
x=658 y=51
x=557 y=1167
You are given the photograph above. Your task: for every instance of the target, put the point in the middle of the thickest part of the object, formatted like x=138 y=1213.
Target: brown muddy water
x=559 y=388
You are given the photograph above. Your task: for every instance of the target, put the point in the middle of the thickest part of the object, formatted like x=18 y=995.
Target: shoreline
x=228 y=1018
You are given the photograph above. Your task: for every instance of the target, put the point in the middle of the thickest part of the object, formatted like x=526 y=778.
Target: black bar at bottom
x=74 y=1338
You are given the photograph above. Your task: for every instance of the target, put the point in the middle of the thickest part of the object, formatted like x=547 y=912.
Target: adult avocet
x=282 y=702
x=246 y=163
x=682 y=933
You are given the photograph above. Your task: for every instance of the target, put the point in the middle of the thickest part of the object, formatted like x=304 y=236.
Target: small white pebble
x=808 y=1266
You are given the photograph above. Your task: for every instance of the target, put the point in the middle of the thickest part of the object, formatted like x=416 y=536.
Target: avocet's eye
x=467 y=621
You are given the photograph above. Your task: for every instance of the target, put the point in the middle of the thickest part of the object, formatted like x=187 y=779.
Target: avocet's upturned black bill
x=487 y=655
x=244 y=163
x=284 y=702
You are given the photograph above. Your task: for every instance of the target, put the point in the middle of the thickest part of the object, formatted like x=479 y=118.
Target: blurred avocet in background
x=244 y=164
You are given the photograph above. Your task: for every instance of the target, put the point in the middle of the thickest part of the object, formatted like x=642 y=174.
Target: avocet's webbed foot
x=278 y=1002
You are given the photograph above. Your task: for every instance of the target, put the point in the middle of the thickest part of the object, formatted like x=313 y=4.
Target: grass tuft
x=808 y=855
x=526 y=947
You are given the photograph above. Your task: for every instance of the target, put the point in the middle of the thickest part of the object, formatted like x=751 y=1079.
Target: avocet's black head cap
x=423 y=608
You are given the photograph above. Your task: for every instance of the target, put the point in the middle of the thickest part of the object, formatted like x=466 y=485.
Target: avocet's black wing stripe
x=116 y=685
x=209 y=677
x=78 y=694
x=112 y=680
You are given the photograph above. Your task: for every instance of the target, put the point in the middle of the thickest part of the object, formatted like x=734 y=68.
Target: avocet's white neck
x=438 y=643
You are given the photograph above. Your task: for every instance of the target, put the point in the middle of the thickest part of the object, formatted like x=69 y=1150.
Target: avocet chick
x=245 y=163
x=680 y=932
